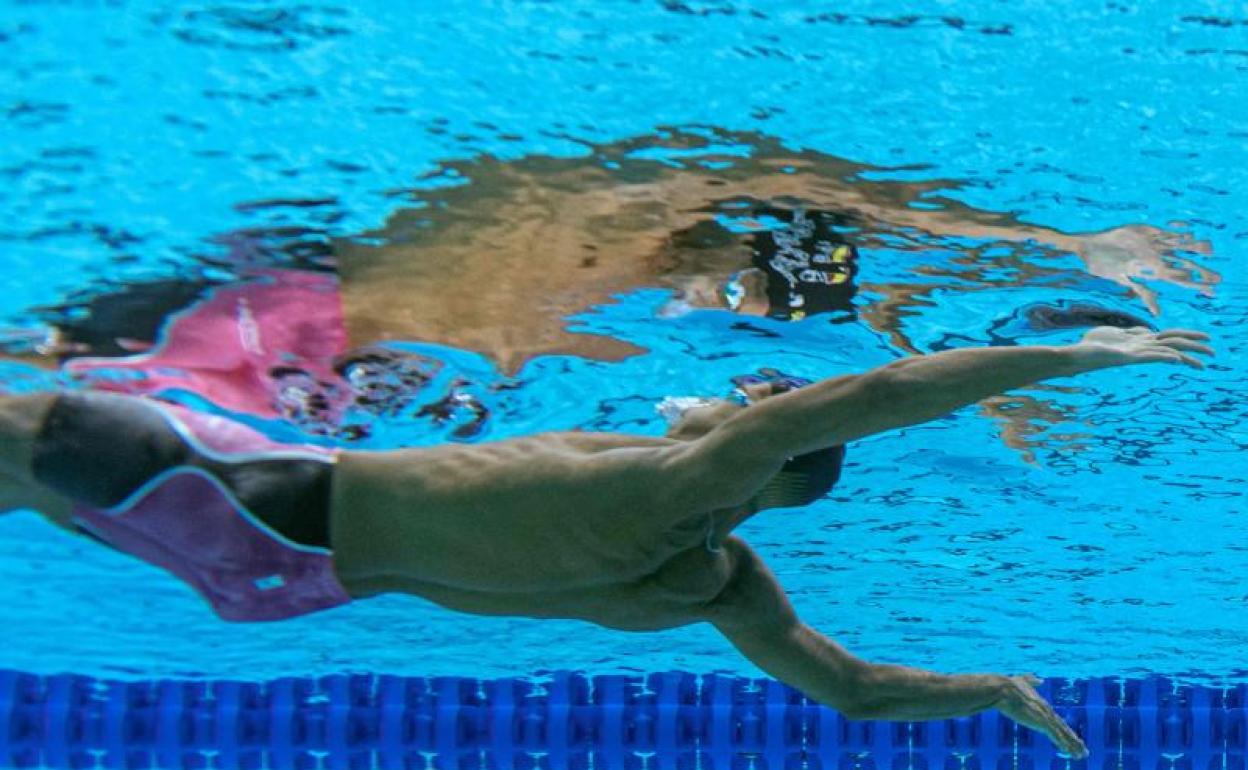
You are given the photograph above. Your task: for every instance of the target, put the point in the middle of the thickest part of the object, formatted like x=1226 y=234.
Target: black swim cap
x=810 y=265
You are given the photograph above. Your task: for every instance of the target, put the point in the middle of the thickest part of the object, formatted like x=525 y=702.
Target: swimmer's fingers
x=1167 y=355
x=1181 y=277
x=1190 y=334
x=1177 y=345
x=1172 y=239
x=1186 y=344
x=757 y=391
x=1191 y=361
x=1024 y=705
x=1188 y=242
x=1187 y=273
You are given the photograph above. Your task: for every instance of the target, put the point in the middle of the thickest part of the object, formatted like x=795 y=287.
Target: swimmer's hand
x=1024 y=705
x=1107 y=346
x=1133 y=255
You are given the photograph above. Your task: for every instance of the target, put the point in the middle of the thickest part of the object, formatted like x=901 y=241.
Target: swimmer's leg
x=21 y=419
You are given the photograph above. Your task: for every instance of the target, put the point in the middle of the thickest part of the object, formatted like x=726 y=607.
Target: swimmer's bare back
x=634 y=532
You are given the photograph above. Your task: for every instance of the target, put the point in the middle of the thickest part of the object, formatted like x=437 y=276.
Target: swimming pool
x=158 y=152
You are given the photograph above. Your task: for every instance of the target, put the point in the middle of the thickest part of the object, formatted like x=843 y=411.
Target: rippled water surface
x=465 y=222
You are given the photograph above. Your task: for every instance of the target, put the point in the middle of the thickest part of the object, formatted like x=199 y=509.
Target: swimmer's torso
x=513 y=517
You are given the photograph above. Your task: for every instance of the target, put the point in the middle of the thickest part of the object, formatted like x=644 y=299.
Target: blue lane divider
x=663 y=721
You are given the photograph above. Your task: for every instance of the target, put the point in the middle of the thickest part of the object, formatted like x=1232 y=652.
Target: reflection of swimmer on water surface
x=226 y=347
x=328 y=391
x=497 y=258
x=755 y=237
x=803 y=263
x=497 y=262
x=271 y=346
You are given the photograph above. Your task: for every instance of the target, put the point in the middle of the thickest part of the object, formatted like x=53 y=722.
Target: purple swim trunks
x=188 y=520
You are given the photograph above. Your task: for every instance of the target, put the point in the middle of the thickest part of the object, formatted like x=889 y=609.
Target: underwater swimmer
x=629 y=532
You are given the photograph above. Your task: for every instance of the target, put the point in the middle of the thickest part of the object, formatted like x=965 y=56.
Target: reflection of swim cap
x=810 y=266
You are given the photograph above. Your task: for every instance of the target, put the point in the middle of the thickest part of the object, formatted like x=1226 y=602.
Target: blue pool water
x=1107 y=541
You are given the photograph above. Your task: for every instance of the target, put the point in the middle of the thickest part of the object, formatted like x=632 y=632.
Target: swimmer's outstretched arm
x=921 y=388
x=756 y=616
